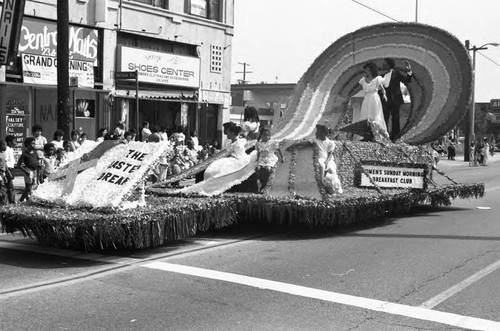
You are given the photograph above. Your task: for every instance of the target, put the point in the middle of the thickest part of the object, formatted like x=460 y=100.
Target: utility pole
x=244 y=72
x=416 y=10
x=63 y=96
x=469 y=134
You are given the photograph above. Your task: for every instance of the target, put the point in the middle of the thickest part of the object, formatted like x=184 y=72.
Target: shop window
x=85 y=108
x=216 y=58
x=155 y=3
x=211 y=9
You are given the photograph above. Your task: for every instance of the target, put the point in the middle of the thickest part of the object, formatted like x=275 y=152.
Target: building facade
x=269 y=100
x=180 y=50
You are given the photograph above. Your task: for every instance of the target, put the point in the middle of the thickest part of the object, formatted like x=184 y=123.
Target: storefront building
x=181 y=50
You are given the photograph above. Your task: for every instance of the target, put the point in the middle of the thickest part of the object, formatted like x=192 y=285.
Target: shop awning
x=168 y=95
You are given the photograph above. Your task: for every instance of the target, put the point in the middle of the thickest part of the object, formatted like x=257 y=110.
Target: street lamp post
x=472 y=113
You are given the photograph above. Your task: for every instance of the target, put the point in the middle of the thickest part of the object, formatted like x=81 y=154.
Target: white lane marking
x=365 y=303
x=433 y=302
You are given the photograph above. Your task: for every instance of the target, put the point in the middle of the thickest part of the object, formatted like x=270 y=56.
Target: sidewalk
x=459 y=161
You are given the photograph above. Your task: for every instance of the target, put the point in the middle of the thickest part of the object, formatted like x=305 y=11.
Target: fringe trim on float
x=162 y=221
x=173 y=218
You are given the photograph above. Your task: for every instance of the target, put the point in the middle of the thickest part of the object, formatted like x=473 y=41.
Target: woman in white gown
x=224 y=173
x=371 y=108
x=236 y=160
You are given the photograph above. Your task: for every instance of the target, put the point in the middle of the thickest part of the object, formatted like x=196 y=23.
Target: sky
x=281 y=38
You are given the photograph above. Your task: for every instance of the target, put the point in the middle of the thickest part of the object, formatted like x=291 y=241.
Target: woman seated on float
x=327 y=167
x=237 y=158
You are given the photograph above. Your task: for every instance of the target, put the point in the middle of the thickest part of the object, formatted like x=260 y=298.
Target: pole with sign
x=10 y=29
x=126 y=75
x=137 y=100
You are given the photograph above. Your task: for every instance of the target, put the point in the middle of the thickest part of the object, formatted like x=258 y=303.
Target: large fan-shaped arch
x=440 y=90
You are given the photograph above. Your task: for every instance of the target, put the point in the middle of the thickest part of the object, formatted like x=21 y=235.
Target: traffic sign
x=126 y=75
x=73 y=82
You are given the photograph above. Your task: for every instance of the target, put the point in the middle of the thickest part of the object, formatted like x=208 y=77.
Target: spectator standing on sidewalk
x=145 y=132
x=40 y=140
x=28 y=163
x=485 y=152
x=451 y=148
x=3 y=174
x=11 y=162
x=58 y=139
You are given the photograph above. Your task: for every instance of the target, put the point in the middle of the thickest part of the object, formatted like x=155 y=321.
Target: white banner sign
x=214 y=97
x=161 y=68
x=40 y=69
x=105 y=175
x=393 y=177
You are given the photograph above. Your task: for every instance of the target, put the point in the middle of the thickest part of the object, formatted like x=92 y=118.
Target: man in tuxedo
x=392 y=83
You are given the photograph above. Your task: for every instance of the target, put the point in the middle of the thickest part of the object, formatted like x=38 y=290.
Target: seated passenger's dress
x=224 y=173
x=236 y=160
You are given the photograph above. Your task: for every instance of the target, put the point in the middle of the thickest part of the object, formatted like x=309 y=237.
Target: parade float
x=98 y=200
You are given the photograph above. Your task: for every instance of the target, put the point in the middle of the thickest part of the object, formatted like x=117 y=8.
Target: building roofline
x=262 y=86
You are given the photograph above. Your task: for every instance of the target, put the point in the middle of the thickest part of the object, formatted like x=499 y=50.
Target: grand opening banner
x=40 y=69
x=38 y=49
x=160 y=68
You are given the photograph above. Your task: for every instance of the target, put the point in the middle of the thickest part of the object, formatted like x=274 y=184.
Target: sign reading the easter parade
x=161 y=68
x=119 y=171
x=393 y=177
x=117 y=168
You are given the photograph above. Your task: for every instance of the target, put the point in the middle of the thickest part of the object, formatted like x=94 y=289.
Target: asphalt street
x=435 y=269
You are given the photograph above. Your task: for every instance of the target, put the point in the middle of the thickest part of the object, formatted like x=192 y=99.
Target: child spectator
x=83 y=138
x=101 y=134
x=74 y=142
x=60 y=156
x=49 y=161
x=29 y=165
x=154 y=137
x=163 y=134
x=128 y=136
x=58 y=139
x=40 y=140
x=191 y=152
x=163 y=168
x=67 y=147
x=266 y=157
x=120 y=130
x=194 y=138
x=178 y=136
